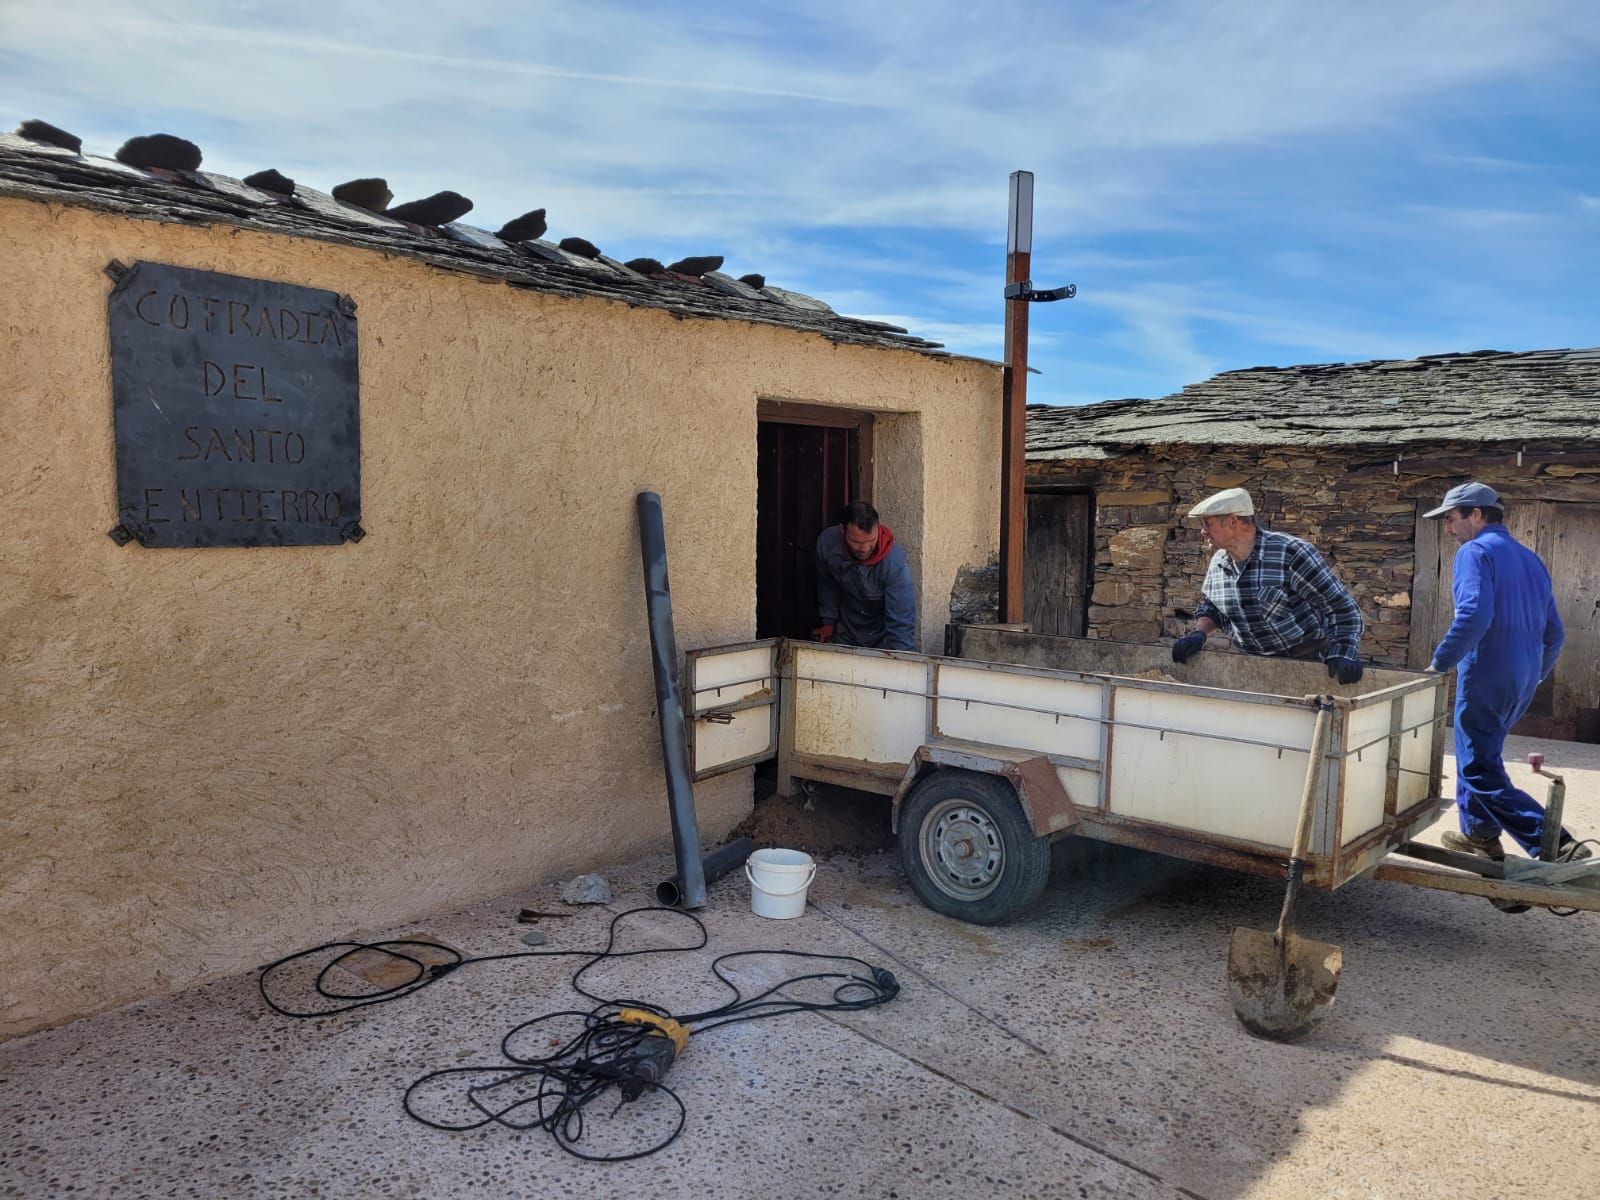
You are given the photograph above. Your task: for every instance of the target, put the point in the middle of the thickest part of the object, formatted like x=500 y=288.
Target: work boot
x=1463 y=843
x=1572 y=850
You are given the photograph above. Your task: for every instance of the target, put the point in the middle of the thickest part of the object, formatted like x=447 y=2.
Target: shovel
x=1282 y=984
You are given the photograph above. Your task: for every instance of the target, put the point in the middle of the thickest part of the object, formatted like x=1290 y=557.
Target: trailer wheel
x=968 y=850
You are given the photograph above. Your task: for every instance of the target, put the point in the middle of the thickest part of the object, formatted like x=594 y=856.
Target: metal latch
x=1023 y=290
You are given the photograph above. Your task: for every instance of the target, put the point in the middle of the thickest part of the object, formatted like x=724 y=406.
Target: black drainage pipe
x=717 y=864
x=669 y=703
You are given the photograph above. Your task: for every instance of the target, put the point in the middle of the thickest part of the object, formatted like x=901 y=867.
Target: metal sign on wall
x=237 y=410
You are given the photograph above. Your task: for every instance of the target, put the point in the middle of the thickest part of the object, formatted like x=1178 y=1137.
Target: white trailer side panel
x=1162 y=772
x=717 y=679
x=1029 y=712
x=1416 y=747
x=1366 y=769
x=858 y=707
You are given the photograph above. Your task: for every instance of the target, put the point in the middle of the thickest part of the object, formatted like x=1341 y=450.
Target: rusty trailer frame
x=769 y=700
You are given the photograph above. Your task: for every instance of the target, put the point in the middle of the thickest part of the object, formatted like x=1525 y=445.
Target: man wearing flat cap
x=1503 y=642
x=1272 y=593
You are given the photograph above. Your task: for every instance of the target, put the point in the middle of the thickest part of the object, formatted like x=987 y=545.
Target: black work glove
x=1345 y=670
x=1188 y=646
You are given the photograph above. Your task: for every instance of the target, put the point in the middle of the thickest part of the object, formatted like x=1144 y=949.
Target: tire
x=968 y=849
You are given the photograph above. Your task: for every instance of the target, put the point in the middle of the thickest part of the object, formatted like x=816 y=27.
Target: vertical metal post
x=1338 y=739
x=1437 y=731
x=787 y=686
x=1391 y=785
x=669 y=702
x=1554 y=801
x=1013 y=425
x=1108 y=718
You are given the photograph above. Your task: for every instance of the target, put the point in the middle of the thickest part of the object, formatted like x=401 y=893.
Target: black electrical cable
x=426 y=974
x=607 y=1053
x=574 y=1076
x=1569 y=848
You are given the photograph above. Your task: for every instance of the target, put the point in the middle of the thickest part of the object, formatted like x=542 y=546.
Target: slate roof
x=1489 y=395
x=35 y=170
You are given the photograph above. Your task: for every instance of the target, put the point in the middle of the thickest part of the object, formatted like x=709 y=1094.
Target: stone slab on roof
x=34 y=171
x=1486 y=396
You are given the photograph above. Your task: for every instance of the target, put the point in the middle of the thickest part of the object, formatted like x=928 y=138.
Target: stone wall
x=975 y=598
x=1149 y=562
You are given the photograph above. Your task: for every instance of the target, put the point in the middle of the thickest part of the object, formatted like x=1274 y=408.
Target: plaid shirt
x=1283 y=594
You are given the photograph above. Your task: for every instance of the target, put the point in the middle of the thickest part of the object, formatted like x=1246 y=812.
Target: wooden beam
x=1062 y=481
x=1424 y=591
x=1520 y=489
x=1530 y=461
x=1013 y=446
x=791 y=412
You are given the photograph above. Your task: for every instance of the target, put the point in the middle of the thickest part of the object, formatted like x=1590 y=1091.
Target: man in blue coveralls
x=865 y=596
x=1504 y=641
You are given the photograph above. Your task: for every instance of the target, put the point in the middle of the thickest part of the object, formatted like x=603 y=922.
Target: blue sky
x=1229 y=183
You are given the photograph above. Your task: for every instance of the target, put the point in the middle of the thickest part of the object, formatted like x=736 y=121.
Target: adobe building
x=282 y=704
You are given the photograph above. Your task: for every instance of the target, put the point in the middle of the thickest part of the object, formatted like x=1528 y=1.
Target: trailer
x=1013 y=740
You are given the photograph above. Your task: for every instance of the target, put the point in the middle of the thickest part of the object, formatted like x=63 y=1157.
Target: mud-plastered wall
x=211 y=757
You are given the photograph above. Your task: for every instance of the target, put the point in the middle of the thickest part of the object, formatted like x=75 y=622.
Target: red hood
x=885 y=544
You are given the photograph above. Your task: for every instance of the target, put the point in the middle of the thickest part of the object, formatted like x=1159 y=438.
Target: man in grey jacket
x=864 y=592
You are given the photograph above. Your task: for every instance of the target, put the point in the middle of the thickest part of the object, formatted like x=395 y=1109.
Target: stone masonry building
x=1347 y=456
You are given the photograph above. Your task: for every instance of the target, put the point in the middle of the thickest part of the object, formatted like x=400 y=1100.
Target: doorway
x=1056 y=562
x=810 y=462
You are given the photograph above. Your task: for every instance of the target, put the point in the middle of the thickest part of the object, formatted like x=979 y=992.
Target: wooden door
x=1566 y=536
x=1056 y=562
x=806 y=473
x=1570 y=546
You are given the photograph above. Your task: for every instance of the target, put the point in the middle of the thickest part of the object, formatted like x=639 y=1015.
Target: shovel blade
x=1281 y=989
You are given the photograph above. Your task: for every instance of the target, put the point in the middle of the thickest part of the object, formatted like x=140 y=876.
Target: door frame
x=792 y=412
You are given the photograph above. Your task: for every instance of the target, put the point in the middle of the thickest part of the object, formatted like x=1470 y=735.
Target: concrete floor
x=1088 y=1050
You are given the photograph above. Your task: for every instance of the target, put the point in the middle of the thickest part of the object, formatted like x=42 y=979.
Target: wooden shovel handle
x=1308 y=804
x=1314 y=765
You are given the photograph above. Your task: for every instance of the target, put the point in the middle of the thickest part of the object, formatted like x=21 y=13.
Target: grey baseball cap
x=1466 y=495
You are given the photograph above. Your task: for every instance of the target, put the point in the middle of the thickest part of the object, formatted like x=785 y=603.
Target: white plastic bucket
x=778 y=882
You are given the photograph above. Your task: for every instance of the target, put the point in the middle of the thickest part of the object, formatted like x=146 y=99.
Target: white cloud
x=1169 y=321
x=1297 y=264
x=860 y=152
x=1482 y=220
x=979 y=339
x=728 y=117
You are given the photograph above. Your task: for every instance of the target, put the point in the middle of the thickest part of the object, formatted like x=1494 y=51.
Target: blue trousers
x=1486 y=800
